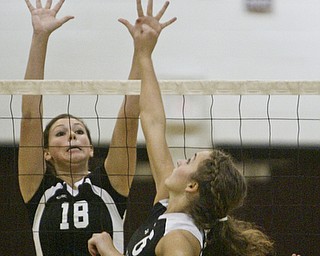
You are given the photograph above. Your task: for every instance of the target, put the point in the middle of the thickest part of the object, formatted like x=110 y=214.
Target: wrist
x=145 y=60
x=143 y=55
x=40 y=36
x=40 y=41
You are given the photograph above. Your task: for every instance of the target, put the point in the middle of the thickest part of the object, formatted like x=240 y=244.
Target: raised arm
x=145 y=33
x=120 y=163
x=31 y=161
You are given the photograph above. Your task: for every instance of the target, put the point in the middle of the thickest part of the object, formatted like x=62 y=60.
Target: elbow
x=152 y=119
x=31 y=106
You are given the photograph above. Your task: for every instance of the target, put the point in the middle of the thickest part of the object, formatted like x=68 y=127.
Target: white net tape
x=175 y=87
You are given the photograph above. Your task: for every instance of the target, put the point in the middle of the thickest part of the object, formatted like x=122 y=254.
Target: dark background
x=286 y=205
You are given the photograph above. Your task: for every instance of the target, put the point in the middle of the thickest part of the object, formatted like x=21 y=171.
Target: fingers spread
x=57 y=7
x=150 y=8
x=38 y=4
x=165 y=24
x=30 y=6
x=139 y=9
x=162 y=11
x=126 y=23
x=48 y=4
x=65 y=19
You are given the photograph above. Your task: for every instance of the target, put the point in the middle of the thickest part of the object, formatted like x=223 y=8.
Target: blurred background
x=212 y=39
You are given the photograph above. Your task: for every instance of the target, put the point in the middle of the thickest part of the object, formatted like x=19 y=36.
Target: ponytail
x=236 y=238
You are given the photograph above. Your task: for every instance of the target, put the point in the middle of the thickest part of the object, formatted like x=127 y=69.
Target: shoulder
x=49 y=184
x=178 y=242
x=182 y=221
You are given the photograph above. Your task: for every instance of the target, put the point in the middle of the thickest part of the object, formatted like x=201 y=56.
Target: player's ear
x=192 y=187
x=47 y=155
x=91 y=151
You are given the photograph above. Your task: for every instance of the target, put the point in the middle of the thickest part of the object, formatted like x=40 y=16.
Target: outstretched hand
x=44 y=18
x=147 y=27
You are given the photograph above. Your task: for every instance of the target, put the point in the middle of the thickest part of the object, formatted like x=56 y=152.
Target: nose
x=72 y=135
x=181 y=162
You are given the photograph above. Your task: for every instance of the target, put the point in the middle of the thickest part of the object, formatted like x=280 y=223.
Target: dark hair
x=53 y=120
x=222 y=188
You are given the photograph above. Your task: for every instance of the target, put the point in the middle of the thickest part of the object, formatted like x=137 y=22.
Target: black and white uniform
x=145 y=239
x=63 y=219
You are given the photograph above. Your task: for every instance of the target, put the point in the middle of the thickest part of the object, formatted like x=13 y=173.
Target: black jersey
x=63 y=219
x=145 y=239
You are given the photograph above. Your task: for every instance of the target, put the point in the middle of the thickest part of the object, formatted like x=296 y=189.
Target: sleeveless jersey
x=145 y=239
x=63 y=219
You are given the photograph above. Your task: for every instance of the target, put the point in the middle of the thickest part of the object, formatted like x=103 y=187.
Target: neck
x=177 y=203
x=71 y=173
x=71 y=180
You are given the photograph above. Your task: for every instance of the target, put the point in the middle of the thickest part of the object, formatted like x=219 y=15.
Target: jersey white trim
x=117 y=221
x=37 y=217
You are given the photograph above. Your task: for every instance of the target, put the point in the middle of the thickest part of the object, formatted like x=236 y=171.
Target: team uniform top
x=63 y=219
x=145 y=239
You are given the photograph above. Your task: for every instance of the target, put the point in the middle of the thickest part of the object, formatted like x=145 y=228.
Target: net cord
x=173 y=87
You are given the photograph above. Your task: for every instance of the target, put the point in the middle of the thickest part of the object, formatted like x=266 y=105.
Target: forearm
x=37 y=56
x=129 y=111
x=130 y=106
x=30 y=152
x=32 y=104
x=121 y=160
x=135 y=68
x=153 y=122
x=151 y=104
x=125 y=131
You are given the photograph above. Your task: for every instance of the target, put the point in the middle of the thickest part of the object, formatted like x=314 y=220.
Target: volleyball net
x=242 y=102
x=199 y=113
x=267 y=125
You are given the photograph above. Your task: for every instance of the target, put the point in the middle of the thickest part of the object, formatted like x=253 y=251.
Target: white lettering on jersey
x=140 y=245
x=80 y=215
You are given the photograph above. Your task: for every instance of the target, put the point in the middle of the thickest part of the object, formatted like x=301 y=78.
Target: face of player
x=68 y=142
x=180 y=177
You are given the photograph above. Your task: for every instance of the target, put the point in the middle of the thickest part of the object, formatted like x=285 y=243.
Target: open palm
x=148 y=26
x=44 y=18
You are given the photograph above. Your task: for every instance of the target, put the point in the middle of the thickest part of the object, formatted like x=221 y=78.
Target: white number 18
x=80 y=215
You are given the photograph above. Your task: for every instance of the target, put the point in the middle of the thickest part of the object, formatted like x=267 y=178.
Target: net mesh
x=270 y=127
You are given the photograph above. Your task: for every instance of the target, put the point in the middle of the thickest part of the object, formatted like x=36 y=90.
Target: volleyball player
x=66 y=201
x=194 y=200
